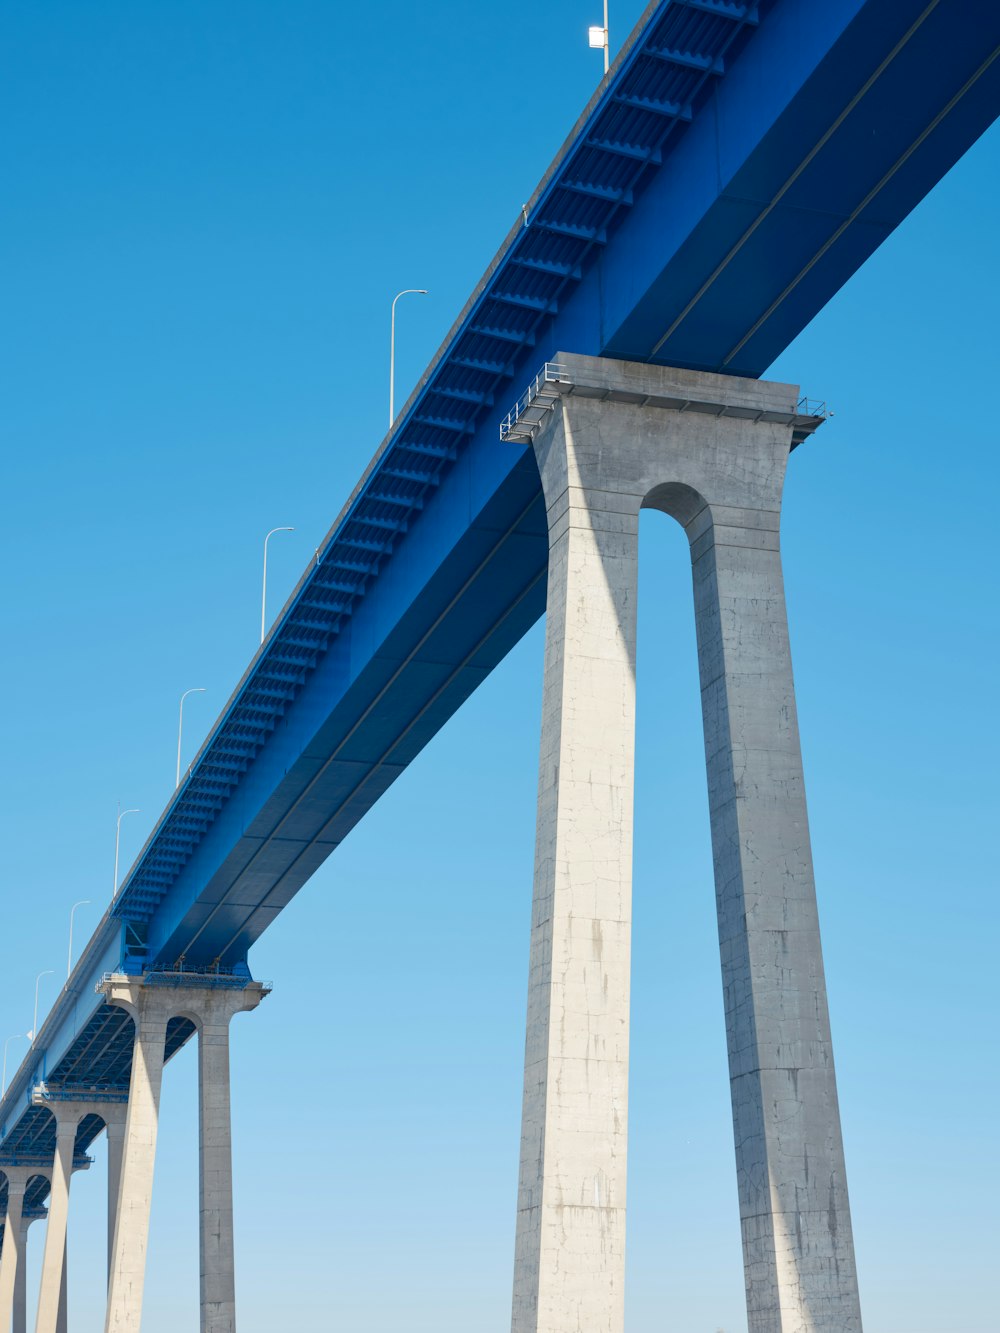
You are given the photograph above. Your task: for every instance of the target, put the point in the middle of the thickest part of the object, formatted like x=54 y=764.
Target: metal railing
x=211 y=978
x=538 y=399
x=812 y=407
x=42 y=1093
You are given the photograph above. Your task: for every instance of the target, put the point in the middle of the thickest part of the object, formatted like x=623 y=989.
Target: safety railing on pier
x=538 y=399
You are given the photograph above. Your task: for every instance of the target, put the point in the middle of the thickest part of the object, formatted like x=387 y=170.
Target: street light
x=24 y=1037
x=118 y=836
x=198 y=689
x=84 y=902
x=407 y=291
x=34 y=1026
x=599 y=37
x=263 y=595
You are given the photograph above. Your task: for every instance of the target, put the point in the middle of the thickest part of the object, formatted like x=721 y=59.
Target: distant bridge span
x=736 y=166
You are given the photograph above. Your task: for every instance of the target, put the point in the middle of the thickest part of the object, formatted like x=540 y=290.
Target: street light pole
x=34 y=1025
x=407 y=291
x=84 y=902
x=602 y=37
x=263 y=595
x=118 y=835
x=199 y=689
x=3 y=1082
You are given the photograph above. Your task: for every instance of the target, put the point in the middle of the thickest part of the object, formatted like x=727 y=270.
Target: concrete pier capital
x=201 y=998
x=17 y=1176
x=657 y=437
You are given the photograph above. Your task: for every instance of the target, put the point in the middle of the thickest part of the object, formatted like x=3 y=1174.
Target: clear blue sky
x=207 y=209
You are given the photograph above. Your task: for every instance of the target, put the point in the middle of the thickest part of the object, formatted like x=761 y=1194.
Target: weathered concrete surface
x=209 y=1007
x=49 y=1292
x=215 y=1158
x=62 y=1317
x=711 y=451
x=12 y=1268
x=21 y=1282
x=570 y=1248
x=150 y=1010
x=115 y=1128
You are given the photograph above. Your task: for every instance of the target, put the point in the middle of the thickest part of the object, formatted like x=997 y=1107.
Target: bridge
x=735 y=167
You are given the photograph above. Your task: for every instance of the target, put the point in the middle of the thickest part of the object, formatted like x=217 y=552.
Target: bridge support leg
x=12 y=1265
x=711 y=451
x=570 y=1247
x=150 y=1013
x=797 y=1242
x=21 y=1282
x=215 y=1162
x=53 y=1262
x=209 y=1005
x=62 y=1318
x=115 y=1128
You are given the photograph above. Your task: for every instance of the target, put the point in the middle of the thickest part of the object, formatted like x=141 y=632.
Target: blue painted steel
x=736 y=166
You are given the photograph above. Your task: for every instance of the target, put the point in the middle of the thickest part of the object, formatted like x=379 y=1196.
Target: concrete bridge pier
x=209 y=1004
x=611 y=438
x=52 y=1292
x=68 y=1111
x=20 y=1324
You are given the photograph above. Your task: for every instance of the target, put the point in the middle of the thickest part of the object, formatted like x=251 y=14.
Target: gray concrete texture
x=711 y=451
x=51 y=1292
x=12 y=1267
x=21 y=1282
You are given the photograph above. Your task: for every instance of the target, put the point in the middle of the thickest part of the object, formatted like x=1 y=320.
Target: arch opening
x=681 y=1189
x=677 y=500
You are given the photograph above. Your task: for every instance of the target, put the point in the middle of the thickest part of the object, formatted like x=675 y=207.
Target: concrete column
x=62 y=1316
x=12 y=1259
x=570 y=1246
x=20 y=1324
x=115 y=1127
x=150 y=1012
x=711 y=451
x=215 y=1160
x=797 y=1243
x=21 y=1281
x=53 y=1270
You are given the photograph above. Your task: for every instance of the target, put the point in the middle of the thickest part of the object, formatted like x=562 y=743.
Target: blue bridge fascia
x=736 y=166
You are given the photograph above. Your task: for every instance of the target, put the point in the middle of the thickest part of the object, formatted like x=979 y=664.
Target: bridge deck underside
x=738 y=165
x=99 y=1061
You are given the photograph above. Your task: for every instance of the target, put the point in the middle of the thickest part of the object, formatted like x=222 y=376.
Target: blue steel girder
x=626 y=173
x=706 y=242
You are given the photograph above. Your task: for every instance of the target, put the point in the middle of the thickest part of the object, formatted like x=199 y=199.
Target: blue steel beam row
x=651 y=96
x=734 y=168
